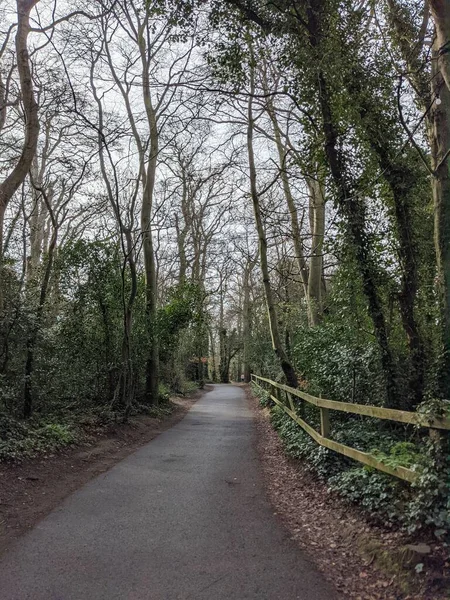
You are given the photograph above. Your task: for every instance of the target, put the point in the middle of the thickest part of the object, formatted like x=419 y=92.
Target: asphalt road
x=183 y=518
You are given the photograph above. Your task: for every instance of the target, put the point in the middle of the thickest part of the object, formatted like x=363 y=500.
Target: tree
x=277 y=344
x=310 y=274
x=18 y=173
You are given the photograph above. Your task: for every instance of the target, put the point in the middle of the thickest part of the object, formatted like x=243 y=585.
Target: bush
x=377 y=493
x=20 y=440
x=189 y=387
x=56 y=435
x=339 y=364
x=78 y=355
x=430 y=502
x=425 y=503
x=299 y=444
x=262 y=395
x=163 y=393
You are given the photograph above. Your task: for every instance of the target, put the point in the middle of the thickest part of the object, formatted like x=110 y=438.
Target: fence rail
x=324 y=437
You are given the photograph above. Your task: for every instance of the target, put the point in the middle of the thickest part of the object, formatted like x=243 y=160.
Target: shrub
x=377 y=493
x=20 y=440
x=422 y=504
x=163 y=393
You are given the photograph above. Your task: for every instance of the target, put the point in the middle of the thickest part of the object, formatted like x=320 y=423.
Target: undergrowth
x=47 y=433
x=20 y=439
x=426 y=503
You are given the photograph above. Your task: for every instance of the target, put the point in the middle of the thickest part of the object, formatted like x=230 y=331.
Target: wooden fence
x=278 y=390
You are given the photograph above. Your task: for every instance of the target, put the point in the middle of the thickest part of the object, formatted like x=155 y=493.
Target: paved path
x=184 y=518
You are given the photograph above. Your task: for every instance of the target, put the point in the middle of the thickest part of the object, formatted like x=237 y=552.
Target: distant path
x=183 y=518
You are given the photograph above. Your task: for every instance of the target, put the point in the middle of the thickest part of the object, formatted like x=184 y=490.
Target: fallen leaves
x=328 y=529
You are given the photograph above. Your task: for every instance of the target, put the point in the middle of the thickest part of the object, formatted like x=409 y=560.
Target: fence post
x=324 y=421
x=277 y=394
x=302 y=408
x=290 y=401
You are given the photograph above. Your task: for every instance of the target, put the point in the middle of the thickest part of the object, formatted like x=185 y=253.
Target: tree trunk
x=437 y=115
x=152 y=368
x=213 y=372
x=151 y=282
x=402 y=181
x=124 y=389
x=277 y=345
x=30 y=108
x=440 y=10
x=224 y=366
x=107 y=330
x=238 y=361
x=35 y=329
x=293 y=214
x=246 y=320
x=440 y=144
x=317 y=226
x=352 y=207
x=125 y=386
x=182 y=231
x=38 y=230
x=439 y=133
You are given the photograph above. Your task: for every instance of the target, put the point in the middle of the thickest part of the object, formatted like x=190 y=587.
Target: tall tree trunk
x=36 y=327
x=310 y=280
x=401 y=179
x=213 y=367
x=401 y=182
x=352 y=207
x=125 y=386
x=151 y=282
x=293 y=214
x=181 y=239
x=152 y=369
x=440 y=9
x=317 y=226
x=440 y=145
x=224 y=366
x=437 y=115
x=124 y=389
x=246 y=319
x=277 y=345
x=107 y=331
x=439 y=131
x=183 y=229
x=38 y=230
x=238 y=361
x=16 y=177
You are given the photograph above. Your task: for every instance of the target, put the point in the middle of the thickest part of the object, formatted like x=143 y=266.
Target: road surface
x=183 y=518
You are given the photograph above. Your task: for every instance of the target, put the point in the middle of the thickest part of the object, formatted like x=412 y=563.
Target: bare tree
x=146 y=68
x=277 y=344
x=17 y=175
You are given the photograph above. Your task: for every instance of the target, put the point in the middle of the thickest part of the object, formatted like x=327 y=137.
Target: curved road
x=183 y=518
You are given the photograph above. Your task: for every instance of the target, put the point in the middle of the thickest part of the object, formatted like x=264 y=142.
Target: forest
x=195 y=191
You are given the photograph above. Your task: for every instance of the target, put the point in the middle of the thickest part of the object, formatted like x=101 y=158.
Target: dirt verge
x=362 y=560
x=30 y=490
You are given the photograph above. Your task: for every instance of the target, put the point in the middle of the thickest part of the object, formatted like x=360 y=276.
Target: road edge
x=29 y=491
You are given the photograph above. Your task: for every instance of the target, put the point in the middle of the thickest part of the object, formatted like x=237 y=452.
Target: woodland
x=192 y=191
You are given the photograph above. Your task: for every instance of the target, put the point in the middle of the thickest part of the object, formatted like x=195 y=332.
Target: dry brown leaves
x=337 y=536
